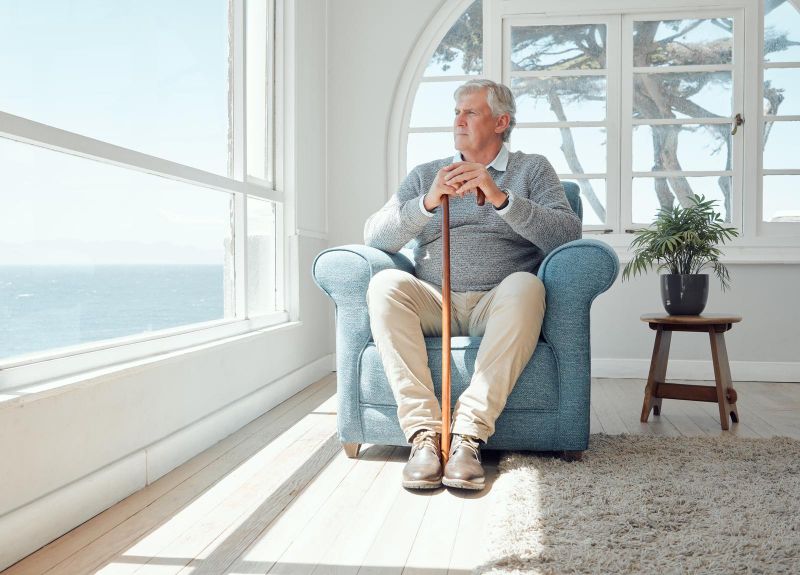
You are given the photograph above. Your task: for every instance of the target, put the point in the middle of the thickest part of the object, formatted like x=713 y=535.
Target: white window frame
x=757 y=244
x=59 y=364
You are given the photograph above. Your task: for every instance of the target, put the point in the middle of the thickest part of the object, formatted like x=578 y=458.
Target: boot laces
x=468 y=441
x=426 y=438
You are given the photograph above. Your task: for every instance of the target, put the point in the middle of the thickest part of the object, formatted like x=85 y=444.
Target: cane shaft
x=445 y=327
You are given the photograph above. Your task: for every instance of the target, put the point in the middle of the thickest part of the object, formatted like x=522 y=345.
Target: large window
x=137 y=188
x=640 y=108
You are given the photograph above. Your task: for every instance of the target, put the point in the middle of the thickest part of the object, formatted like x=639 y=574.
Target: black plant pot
x=684 y=294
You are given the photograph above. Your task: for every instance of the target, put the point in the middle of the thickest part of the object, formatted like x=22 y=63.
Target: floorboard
x=258 y=502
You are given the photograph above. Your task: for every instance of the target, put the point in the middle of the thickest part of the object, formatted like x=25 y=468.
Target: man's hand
x=462 y=178
x=471 y=177
x=433 y=199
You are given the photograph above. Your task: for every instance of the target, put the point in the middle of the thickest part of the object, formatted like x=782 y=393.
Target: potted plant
x=682 y=241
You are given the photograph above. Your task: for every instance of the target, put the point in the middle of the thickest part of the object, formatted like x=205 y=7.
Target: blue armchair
x=548 y=409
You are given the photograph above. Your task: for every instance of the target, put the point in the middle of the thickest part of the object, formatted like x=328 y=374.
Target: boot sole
x=463 y=484
x=422 y=484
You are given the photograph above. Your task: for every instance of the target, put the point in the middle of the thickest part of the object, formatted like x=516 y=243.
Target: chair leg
x=571 y=456
x=351 y=449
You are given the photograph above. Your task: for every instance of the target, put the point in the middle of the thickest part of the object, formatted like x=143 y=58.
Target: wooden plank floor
x=222 y=511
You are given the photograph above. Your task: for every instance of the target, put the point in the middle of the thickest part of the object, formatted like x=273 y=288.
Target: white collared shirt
x=500 y=163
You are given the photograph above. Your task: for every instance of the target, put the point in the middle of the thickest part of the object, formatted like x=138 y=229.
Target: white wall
x=369 y=44
x=69 y=453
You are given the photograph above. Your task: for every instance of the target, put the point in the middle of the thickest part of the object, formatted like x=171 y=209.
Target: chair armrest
x=574 y=274
x=344 y=272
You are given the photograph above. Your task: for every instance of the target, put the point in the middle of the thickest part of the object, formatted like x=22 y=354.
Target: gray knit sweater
x=485 y=245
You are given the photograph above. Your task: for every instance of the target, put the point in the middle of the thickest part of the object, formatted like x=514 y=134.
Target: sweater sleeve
x=545 y=219
x=400 y=220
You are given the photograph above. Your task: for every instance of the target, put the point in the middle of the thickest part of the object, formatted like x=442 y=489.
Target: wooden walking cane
x=446 y=320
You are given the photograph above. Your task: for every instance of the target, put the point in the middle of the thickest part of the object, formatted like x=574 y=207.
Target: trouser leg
x=509 y=317
x=402 y=311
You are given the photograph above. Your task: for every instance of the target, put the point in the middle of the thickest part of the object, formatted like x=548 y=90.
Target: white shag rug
x=645 y=504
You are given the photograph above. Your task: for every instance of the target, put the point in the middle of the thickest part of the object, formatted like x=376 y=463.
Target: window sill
x=34 y=373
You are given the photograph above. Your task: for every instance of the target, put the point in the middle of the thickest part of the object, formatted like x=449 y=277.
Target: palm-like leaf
x=682 y=241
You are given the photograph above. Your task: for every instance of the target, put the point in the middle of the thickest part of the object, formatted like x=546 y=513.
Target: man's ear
x=503 y=120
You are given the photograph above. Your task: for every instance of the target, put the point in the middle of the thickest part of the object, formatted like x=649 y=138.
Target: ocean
x=47 y=307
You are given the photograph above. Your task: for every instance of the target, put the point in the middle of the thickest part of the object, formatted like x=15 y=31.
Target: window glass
x=782 y=91
x=650 y=194
x=683 y=42
x=782 y=198
x=569 y=150
x=434 y=105
x=564 y=98
x=682 y=95
x=564 y=47
x=782 y=146
x=461 y=50
x=91 y=251
x=150 y=76
x=425 y=147
x=676 y=147
x=781 y=32
x=258 y=123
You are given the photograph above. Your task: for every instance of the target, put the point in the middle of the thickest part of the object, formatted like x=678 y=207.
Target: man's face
x=474 y=126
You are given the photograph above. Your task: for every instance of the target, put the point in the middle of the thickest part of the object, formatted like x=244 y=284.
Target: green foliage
x=682 y=241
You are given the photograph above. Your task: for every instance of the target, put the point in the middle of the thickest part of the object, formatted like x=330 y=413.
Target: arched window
x=638 y=108
x=458 y=58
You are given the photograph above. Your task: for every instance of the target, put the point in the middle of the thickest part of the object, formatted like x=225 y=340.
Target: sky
x=136 y=74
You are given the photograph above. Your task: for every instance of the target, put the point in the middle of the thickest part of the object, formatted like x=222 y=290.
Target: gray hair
x=499 y=98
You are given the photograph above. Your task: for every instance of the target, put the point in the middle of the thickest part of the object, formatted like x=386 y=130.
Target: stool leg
x=726 y=395
x=658 y=372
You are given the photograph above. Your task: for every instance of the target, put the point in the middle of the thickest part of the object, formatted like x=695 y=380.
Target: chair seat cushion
x=536 y=388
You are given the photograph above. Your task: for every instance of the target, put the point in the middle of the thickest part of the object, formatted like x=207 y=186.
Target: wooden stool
x=716 y=325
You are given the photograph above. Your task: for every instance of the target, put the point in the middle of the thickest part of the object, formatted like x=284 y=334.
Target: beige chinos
x=404 y=309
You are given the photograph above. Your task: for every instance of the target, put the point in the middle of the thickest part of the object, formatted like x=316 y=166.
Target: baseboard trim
x=34 y=525
x=700 y=370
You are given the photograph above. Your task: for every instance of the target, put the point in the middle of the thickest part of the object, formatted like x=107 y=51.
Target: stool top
x=703 y=319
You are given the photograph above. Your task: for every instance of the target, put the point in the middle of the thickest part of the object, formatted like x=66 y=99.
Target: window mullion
x=239 y=103
x=625 y=67
x=614 y=135
x=737 y=201
x=52 y=138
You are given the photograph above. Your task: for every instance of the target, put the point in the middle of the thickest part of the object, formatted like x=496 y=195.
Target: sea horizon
x=49 y=306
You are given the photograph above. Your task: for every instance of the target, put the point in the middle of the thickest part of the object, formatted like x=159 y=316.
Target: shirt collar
x=500 y=162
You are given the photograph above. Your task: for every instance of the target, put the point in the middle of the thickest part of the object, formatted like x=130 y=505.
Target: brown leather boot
x=424 y=467
x=464 y=469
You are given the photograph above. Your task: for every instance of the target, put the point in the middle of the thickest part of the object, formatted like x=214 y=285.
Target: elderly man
x=496 y=249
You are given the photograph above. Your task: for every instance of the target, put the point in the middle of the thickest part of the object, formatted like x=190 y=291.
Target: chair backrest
x=573 y=192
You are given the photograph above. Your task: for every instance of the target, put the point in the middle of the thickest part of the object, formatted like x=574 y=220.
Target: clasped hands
x=462 y=178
